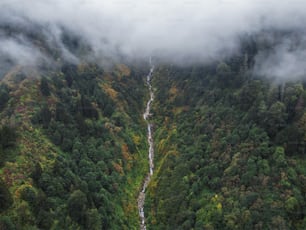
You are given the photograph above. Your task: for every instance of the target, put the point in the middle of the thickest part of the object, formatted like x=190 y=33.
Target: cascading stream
x=146 y=115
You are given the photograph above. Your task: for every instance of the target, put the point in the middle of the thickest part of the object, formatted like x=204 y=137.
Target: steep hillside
x=229 y=145
x=152 y=114
x=73 y=148
x=230 y=150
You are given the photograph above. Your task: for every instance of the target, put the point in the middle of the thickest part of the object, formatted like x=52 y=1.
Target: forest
x=229 y=146
x=73 y=154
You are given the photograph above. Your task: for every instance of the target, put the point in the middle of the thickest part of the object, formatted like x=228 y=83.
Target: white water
x=146 y=115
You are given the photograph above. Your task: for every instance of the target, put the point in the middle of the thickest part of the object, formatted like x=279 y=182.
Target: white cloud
x=173 y=29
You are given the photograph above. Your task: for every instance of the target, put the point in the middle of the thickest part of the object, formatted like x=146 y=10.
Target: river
x=146 y=116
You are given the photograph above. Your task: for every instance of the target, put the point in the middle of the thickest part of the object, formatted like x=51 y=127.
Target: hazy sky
x=175 y=30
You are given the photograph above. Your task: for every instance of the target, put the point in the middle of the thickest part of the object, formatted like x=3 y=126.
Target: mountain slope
x=229 y=145
x=79 y=153
x=229 y=149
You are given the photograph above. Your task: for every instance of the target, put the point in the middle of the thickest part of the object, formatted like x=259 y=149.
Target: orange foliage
x=118 y=168
x=173 y=93
x=178 y=110
x=129 y=208
x=110 y=91
x=123 y=70
x=125 y=152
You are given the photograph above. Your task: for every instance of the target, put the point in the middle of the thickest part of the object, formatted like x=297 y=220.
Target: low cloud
x=21 y=52
x=285 y=60
x=174 y=31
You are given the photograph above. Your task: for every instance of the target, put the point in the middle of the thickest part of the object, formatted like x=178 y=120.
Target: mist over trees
x=228 y=118
x=179 y=32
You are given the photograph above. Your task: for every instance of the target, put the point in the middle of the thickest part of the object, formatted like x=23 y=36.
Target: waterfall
x=146 y=116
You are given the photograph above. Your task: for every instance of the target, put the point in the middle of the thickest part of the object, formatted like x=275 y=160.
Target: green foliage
x=8 y=138
x=28 y=194
x=5 y=198
x=4 y=96
x=233 y=161
x=93 y=220
x=44 y=87
x=6 y=223
x=228 y=149
x=77 y=206
x=97 y=164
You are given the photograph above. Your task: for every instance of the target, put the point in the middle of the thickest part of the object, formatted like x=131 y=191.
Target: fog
x=176 y=31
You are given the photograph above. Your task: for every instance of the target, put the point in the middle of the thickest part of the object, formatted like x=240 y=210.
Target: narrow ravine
x=146 y=116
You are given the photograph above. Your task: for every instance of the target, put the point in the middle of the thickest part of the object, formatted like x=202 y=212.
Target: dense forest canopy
x=228 y=118
x=231 y=152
